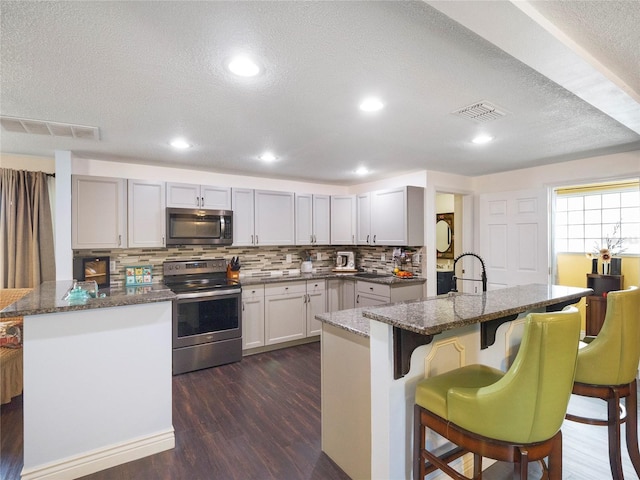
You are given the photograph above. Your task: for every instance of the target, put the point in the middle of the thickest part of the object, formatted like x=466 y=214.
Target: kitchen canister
x=306 y=267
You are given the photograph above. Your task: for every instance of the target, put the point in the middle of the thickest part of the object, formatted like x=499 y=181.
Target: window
x=586 y=216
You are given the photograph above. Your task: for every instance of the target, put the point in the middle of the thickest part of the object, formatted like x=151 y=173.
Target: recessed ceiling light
x=371 y=104
x=480 y=139
x=243 y=67
x=180 y=143
x=268 y=157
x=362 y=171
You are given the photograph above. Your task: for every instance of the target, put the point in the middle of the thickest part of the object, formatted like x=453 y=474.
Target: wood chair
x=511 y=417
x=607 y=369
x=11 y=364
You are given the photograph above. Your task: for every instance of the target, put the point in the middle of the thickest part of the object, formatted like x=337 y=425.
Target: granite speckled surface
x=445 y=312
x=49 y=298
x=351 y=320
x=381 y=279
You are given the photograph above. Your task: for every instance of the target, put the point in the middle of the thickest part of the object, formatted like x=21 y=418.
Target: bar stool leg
x=613 y=421
x=631 y=427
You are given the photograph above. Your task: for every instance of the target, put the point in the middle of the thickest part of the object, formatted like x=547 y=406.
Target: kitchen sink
x=372 y=275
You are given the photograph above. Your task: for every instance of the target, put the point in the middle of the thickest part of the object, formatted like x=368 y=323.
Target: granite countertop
x=437 y=314
x=351 y=320
x=48 y=298
x=383 y=279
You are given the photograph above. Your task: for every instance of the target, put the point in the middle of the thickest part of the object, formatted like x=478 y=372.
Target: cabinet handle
x=358 y=298
x=197 y=201
x=367 y=240
x=119 y=240
x=315 y=240
x=256 y=239
x=243 y=306
x=353 y=239
x=163 y=244
x=311 y=238
x=374 y=238
x=252 y=242
x=371 y=288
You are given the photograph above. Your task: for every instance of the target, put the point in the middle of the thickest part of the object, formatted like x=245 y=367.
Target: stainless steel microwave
x=186 y=226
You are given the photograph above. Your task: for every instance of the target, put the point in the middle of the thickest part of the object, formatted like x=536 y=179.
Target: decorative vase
x=616 y=266
x=605 y=268
x=594 y=265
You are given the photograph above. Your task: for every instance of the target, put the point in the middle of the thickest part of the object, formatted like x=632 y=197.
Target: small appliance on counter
x=92 y=269
x=345 y=262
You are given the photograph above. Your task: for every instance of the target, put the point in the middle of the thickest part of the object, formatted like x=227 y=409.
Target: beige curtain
x=26 y=230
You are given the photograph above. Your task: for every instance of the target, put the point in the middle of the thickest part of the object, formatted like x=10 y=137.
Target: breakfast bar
x=97 y=378
x=391 y=347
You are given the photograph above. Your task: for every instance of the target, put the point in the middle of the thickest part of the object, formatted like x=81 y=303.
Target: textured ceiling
x=145 y=72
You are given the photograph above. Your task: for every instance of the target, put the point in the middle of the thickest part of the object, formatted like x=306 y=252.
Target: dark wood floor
x=260 y=419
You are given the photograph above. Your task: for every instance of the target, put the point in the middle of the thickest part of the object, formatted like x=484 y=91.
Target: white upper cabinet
x=363 y=214
x=312 y=222
x=274 y=218
x=343 y=220
x=263 y=217
x=397 y=216
x=186 y=195
x=98 y=212
x=146 y=213
x=243 y=215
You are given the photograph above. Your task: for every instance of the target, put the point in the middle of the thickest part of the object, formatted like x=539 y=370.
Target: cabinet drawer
x=252 y=292
x=315 y=286
x=285 y=288
x=373 y=289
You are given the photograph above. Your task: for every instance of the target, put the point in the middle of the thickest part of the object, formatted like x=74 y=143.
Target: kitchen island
x=367 y=408
x=97 y=378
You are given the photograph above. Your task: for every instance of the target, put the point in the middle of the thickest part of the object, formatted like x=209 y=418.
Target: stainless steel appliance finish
x=187 y=226
x=345 y=261
x=207 y=315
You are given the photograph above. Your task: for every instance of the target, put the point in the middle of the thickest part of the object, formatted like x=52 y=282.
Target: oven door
x=206 y=317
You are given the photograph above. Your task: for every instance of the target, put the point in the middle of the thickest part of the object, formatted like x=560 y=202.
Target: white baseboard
x=103 y=458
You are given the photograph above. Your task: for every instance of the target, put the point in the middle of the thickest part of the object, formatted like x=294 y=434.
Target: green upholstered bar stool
x=607 y=369
x=511 y=417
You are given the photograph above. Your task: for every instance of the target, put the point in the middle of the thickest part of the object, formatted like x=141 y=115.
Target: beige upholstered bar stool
x=511 y=417
x=607 y=369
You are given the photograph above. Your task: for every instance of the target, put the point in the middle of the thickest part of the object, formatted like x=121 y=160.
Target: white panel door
x=363 y=214
x=274 y=218
x=321 y=219
x=243 y=213
x=146 y=213
x=183 y=195
x=514 y=240
x=389 y=217
x=215 y=198
x=304 y=219
x=253 y=317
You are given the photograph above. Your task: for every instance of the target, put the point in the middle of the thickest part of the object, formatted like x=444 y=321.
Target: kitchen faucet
x=454 y=286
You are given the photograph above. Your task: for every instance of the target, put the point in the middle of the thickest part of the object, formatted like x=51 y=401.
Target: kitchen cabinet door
x=146 y=214
x=312 y=219
x=304 y=219
x=367 y=300
x=253 y=317
x=316 y=304
x=363 y=219
x=215 y=198
x=274 y=218
x=285 y=312
x=98 y=212
x=243 y=213
x=334 y=295
x=397 y=216
x=321 y=219
x=343 y=220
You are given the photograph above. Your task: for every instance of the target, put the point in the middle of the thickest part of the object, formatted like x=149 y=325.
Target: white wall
x=588 y=170
x=26 y=162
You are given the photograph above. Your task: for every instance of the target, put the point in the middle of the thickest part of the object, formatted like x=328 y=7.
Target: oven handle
x=212 y=293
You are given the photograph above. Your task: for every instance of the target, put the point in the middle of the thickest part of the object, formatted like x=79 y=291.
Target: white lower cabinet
x=285 y=312
x=316 y=304
x=369 y=294
x=253 y=317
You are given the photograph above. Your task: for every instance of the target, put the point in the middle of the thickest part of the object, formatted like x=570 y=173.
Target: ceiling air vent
x=54 y=129
x=480 y=112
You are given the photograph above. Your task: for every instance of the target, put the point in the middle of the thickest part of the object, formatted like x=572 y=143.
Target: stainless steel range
x=207 y=316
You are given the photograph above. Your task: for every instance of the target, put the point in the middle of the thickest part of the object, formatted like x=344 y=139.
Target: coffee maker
x=345 y=262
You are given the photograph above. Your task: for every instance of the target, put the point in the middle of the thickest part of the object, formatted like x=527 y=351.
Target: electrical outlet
x=319 y=256
x=112 y=266
x=383 y=258
x=288 y=258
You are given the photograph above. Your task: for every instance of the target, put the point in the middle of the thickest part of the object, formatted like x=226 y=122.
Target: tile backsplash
x=255 y=261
